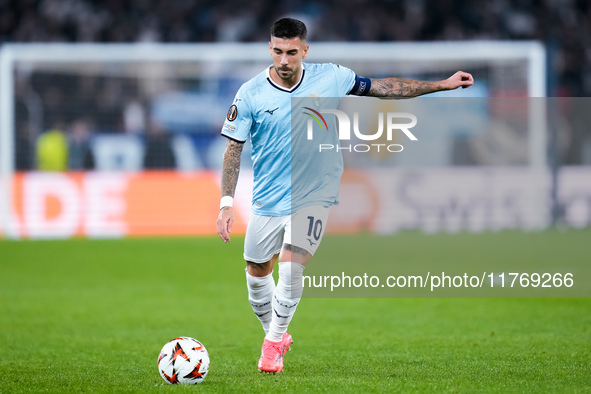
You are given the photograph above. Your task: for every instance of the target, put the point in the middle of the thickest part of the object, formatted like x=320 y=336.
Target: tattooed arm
x=231 y=167
x=230 y=172
x=408 y=88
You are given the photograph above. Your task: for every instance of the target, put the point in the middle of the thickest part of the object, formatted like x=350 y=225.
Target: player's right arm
x=236 y=129
x=230 y=172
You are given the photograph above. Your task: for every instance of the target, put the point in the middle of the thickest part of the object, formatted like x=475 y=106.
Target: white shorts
x=265 y=235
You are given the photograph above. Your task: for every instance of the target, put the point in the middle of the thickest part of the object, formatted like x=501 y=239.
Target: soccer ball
x=183 y=360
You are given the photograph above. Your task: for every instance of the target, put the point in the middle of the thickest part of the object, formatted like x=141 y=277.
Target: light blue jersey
x=262 y=111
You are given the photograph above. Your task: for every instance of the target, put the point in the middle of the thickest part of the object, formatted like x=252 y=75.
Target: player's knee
x=259 y=269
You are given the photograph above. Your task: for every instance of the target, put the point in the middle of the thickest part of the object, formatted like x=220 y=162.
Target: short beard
x=292 y=75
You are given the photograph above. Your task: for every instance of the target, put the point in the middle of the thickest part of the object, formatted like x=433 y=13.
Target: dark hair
x=289 y=28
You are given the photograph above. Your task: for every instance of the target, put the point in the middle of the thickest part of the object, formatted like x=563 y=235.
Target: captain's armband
x=361 y=87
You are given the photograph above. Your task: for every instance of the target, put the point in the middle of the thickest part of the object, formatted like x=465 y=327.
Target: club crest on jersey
x=232 y=112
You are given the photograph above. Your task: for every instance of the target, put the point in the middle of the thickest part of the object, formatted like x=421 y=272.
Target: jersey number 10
x=314 y=228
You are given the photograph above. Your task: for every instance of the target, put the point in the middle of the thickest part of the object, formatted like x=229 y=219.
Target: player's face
x=287 y=57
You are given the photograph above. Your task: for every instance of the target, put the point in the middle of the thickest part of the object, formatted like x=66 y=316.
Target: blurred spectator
x=52 y=151
x=24 y=135
x=80 y=156
x=158 y=149
x=23 y=144
x=134 y=117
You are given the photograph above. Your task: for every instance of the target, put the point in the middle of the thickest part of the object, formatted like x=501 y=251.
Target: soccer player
x=261 y=111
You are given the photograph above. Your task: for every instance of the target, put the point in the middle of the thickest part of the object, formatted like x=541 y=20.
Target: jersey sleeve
x=239 y=119
x=351 y=83
x=345 y=79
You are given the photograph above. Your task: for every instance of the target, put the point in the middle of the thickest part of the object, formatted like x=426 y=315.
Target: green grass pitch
x=92 y=315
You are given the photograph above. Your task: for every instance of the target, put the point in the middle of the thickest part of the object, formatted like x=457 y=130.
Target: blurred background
x=133 y=117
x=110 y=120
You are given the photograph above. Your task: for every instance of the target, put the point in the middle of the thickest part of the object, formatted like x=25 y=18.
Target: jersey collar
x=293 y=88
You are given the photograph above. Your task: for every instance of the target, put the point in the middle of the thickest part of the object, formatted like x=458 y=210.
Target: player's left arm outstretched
x=408 y=88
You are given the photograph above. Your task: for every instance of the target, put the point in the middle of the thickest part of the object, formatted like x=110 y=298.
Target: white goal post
x=398 y=59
